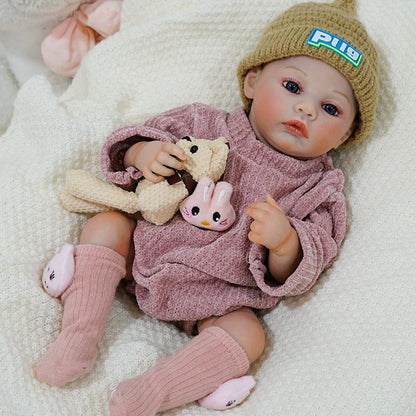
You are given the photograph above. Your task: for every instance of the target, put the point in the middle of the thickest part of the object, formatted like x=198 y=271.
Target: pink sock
x=87 y=302
x=208 y=360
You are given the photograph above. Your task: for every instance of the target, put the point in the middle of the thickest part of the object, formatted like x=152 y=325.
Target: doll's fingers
x=171 y=162
x=258 y=205
x=174 y=150
x=257 y=213
x=265 y=204
x=270 y=200
x=256 y=227
x=254 y=238
x=261 y=206
x=250 y=211
x=151 y=176
x=160 y=169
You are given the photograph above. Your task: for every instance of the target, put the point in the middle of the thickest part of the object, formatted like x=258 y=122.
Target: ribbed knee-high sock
x=208 y=360
x=87 y=303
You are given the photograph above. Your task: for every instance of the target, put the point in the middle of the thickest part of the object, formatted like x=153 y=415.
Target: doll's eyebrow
x=341 y=93
x=297 y=69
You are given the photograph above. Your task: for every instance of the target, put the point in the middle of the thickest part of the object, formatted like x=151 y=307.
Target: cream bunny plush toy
x=157 y=202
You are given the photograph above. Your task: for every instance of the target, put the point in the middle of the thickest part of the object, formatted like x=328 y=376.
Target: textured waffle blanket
x=345 y=348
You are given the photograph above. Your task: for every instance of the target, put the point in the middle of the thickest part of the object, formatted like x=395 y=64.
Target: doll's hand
x=270 y=228
x=155 y=159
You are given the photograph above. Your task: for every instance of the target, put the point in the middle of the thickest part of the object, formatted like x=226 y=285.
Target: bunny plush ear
x=209 y=206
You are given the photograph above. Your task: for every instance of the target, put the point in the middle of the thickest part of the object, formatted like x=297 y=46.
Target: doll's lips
x=296 y=127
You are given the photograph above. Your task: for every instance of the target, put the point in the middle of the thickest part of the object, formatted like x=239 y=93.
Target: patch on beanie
x=319 y=38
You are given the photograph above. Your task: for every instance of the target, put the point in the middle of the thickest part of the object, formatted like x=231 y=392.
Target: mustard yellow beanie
x=331 y=33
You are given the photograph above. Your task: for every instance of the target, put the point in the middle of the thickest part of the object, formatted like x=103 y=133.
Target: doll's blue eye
x=195 y=211
x=330 y=109
x=292 y=87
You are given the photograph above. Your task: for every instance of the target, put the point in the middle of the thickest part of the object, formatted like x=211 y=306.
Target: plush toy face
x=204 y=157
x=209 y=206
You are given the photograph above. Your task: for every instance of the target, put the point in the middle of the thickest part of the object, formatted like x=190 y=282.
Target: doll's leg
x=223 y=350
x=100 y=264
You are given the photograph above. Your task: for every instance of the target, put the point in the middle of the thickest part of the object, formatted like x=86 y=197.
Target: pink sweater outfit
x=183 y=273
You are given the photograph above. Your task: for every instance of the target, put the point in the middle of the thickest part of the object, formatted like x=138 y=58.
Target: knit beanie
x=331 y=33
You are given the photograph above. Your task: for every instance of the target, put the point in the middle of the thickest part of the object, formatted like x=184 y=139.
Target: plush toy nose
x=205 y=223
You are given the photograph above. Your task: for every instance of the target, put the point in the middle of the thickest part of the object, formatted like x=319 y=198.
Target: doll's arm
x=284 y=260
x=319 y=219
x=167 y=127
x=155 y=159
x=272 y=229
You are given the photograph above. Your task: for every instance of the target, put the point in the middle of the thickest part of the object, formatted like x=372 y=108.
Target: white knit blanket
x=345 y=348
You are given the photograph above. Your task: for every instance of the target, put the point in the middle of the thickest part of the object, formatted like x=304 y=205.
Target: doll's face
x=301 y=106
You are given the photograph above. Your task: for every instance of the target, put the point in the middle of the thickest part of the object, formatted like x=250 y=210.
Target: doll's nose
x=307 y=107
x=205 y=223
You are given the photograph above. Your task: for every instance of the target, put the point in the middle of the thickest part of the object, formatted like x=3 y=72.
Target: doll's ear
x=250 y=81
x=346 y=136
x=348 y=133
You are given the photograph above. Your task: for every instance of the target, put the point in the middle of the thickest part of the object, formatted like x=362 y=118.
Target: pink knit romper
x=183 y=273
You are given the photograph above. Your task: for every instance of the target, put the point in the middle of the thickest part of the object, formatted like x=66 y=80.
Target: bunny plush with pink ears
x=209 y=205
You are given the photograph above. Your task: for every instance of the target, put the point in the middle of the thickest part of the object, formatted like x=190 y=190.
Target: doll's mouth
x=296 y=127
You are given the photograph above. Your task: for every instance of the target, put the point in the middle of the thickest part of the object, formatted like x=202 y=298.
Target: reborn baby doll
x=309 y=86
